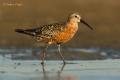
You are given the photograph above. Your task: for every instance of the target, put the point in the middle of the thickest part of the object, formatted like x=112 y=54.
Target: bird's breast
x=67 y=33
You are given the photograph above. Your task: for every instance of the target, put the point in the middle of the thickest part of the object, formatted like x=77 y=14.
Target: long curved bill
x=82 y=21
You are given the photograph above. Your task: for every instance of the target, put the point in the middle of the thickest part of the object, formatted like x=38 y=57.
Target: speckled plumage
x=56 y=33
x=47 y=32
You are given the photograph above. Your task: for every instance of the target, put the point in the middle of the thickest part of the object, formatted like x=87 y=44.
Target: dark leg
x=44 y=54
x=62 y=67
x=33 y=54
x=61 y=54
x=43 y=67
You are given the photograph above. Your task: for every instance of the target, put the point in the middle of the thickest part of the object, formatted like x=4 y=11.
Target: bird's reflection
x=57 y=74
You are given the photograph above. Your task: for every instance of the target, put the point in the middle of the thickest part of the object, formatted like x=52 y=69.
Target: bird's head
x=76 y=18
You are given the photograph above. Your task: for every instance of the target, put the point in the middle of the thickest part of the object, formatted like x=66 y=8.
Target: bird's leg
x=44 y=54
x=59 y=50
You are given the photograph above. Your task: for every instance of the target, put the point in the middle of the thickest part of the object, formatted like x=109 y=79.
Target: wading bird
x=57 y=33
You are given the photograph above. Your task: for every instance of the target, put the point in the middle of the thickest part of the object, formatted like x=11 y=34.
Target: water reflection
x=46 y=73
x=58 y=75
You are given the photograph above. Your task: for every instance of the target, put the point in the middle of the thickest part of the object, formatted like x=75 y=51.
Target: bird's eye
x=75 y=16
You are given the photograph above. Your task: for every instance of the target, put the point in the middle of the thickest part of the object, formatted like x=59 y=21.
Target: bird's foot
x=42 y=63
x=64 y=62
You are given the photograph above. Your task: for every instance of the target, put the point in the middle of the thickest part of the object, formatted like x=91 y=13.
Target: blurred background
x=103 y=15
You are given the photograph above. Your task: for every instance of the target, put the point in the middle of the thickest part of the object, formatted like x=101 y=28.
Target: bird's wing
x=49 y=31
x=44 y=32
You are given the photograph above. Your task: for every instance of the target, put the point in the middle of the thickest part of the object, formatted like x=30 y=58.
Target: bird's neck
x=72 y=24
x=72 y=27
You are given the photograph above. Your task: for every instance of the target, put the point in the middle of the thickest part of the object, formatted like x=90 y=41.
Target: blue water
x=108 y=69
x=55 y=70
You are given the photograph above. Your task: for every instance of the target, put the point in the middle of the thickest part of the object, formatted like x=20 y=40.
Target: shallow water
x=55 y=70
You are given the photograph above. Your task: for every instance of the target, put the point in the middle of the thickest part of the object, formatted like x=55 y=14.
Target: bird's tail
x=23 y=31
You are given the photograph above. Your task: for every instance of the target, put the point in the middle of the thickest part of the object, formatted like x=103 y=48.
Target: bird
x=56 y=33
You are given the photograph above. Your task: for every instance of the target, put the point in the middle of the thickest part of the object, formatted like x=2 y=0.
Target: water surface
x=55 y=70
